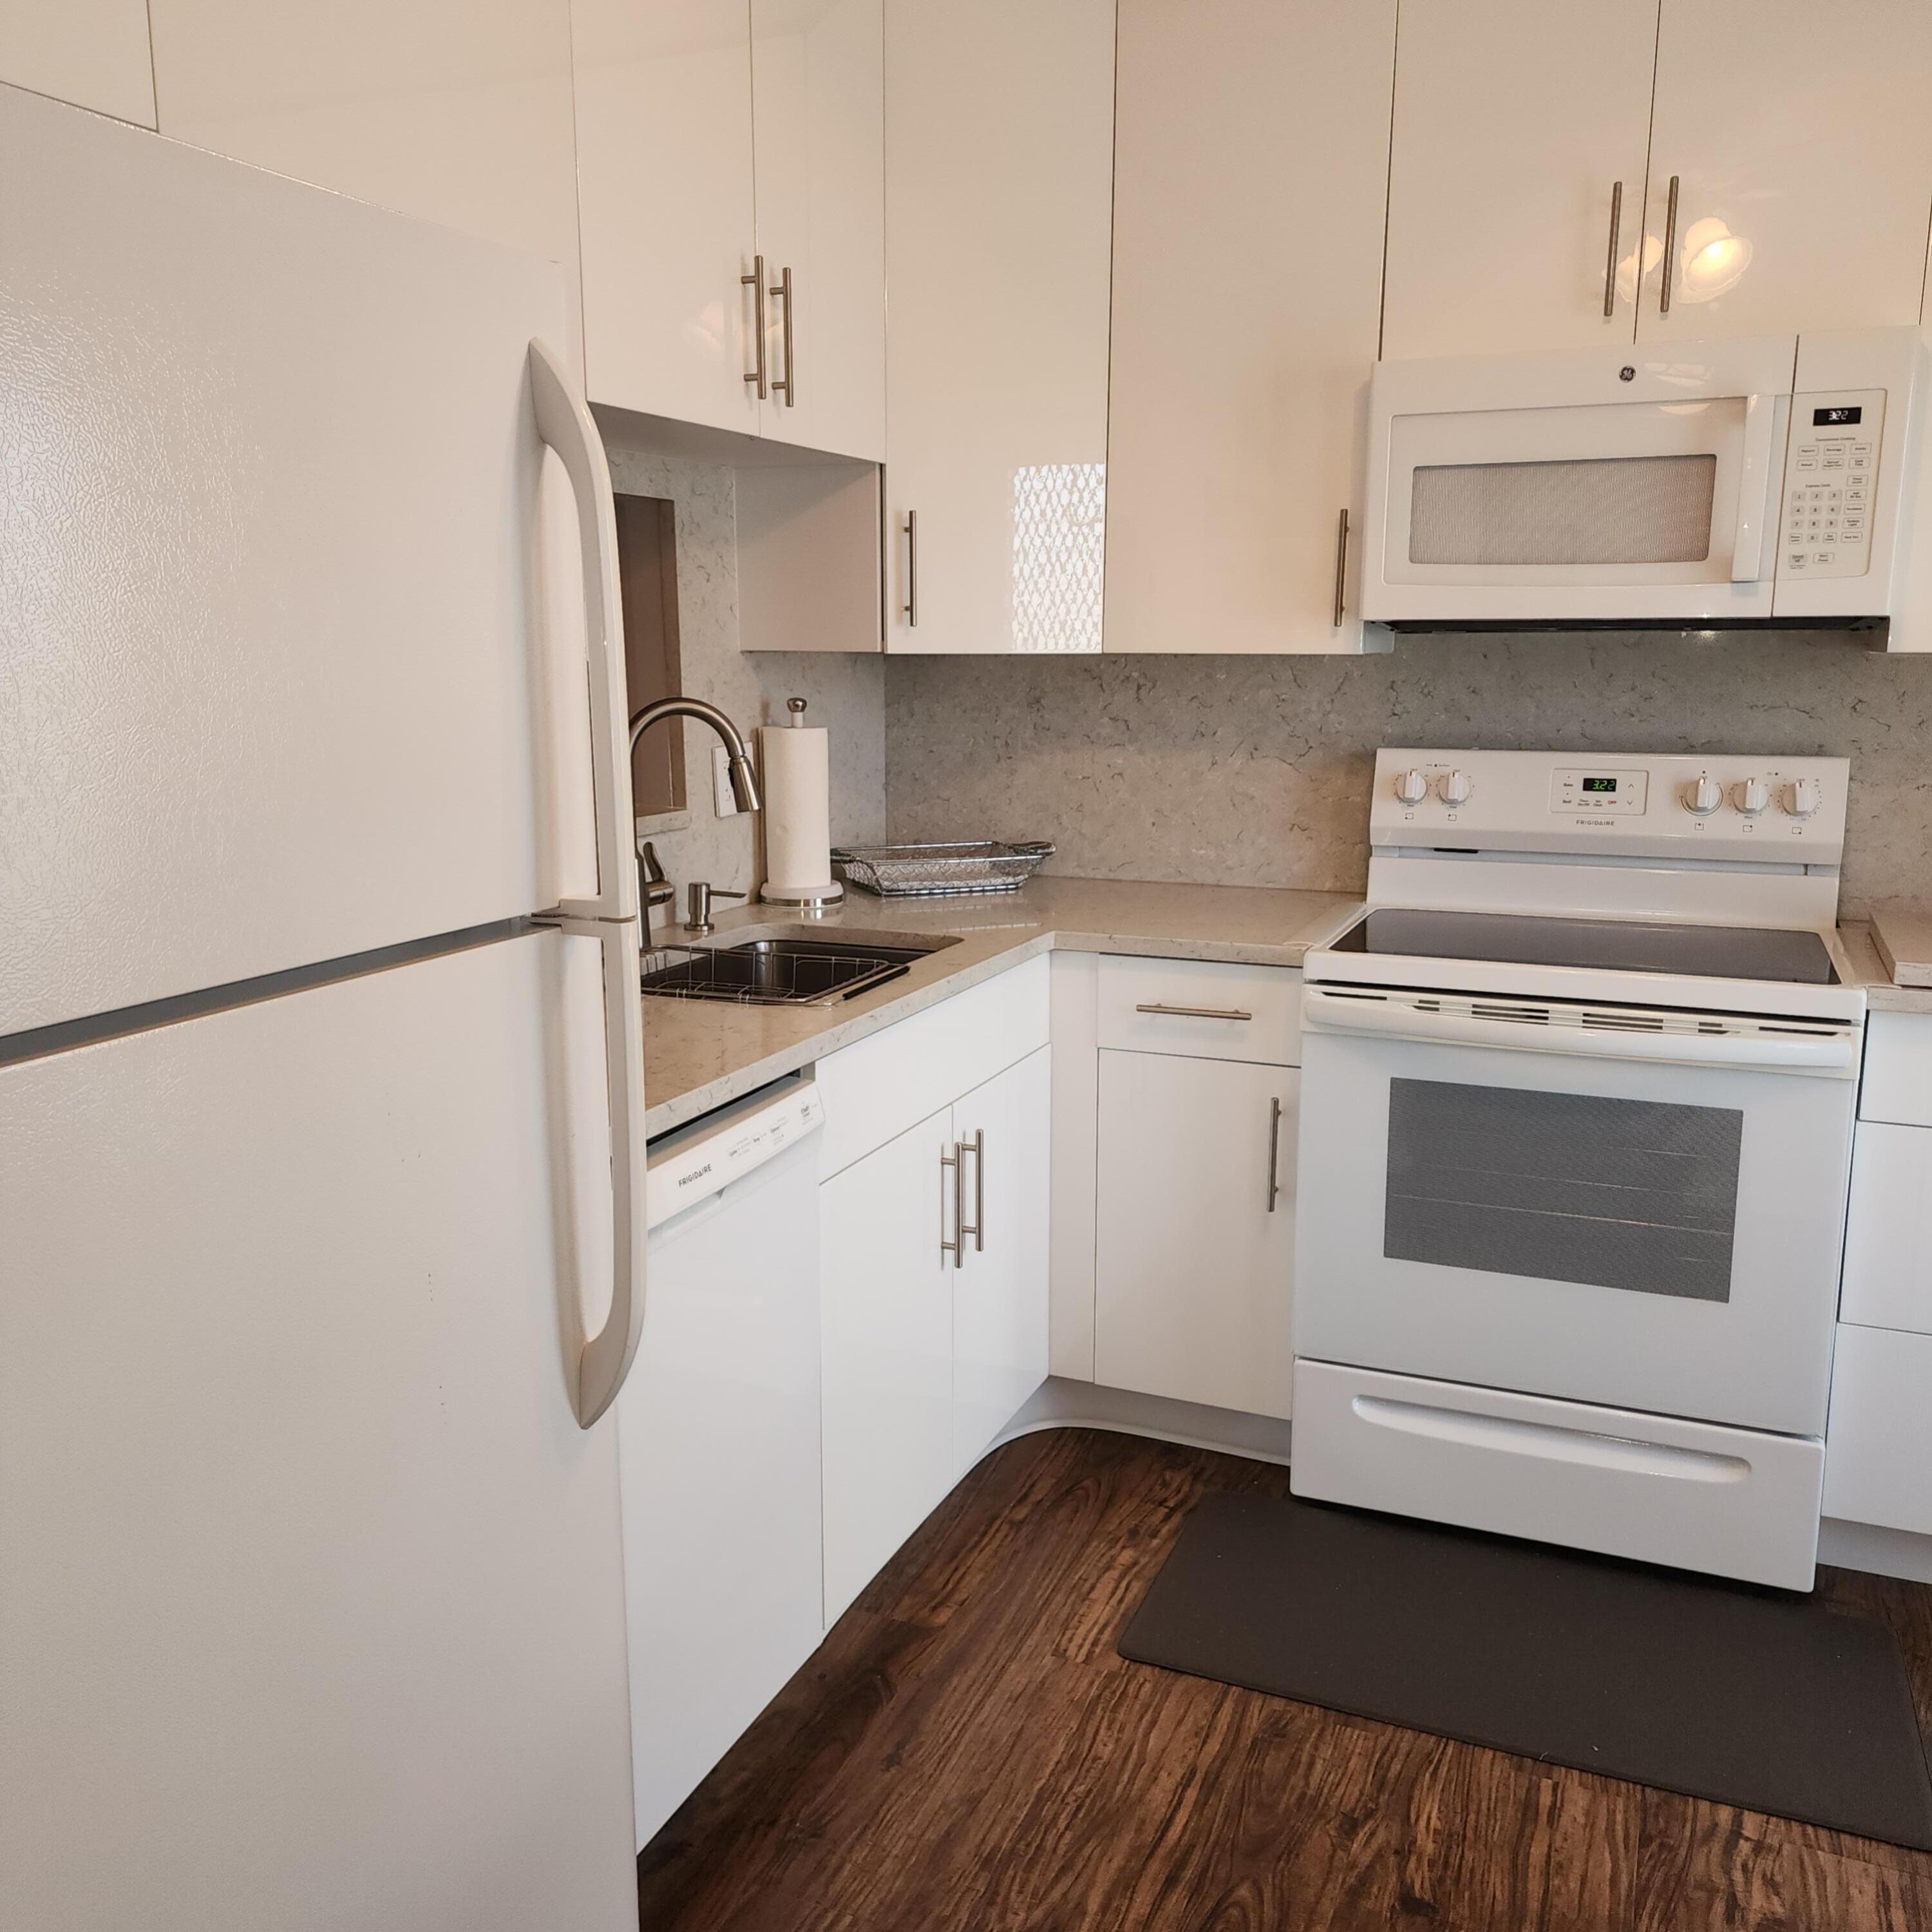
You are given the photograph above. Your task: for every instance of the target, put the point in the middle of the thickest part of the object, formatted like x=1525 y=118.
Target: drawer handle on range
x=1194 y=1013
x=1274 y=1153
x=1551 y=1440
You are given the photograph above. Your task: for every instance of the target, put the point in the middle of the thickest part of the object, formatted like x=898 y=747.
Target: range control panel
x=1788 y=810
x=1831 y=473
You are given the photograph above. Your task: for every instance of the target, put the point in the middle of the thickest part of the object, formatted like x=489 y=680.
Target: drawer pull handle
x=1195 y=1012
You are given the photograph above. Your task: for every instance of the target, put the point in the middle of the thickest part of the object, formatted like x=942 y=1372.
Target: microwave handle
x=1758 y=473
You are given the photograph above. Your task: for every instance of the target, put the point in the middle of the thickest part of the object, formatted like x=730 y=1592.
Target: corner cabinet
x=999 y=141
x=1251 y=173
x=933 y=1261
x=731 y=159
x=1194 y=1239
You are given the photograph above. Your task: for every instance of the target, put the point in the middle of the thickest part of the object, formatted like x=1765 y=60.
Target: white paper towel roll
x=796 y=785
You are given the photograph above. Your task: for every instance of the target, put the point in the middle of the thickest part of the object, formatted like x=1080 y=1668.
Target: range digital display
x=1845 y=415
x=1599 y=785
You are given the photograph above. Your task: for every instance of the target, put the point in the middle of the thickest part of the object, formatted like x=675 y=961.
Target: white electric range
x=1577 y=1098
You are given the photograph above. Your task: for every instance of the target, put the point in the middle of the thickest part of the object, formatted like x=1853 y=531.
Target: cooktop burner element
x=1631 y=946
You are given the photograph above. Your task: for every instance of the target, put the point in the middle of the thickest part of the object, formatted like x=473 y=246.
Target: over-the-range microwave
x=1766 y=479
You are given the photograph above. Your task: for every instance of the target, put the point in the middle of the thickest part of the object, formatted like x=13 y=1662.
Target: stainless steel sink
x=786 y=968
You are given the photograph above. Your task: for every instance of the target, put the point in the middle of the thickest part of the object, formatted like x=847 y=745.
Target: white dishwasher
x=717 y=1438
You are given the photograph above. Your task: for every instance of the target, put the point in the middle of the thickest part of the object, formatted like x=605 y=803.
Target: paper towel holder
x=820 y=899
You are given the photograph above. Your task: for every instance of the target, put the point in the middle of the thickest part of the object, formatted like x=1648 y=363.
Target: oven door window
x=1636 y=1195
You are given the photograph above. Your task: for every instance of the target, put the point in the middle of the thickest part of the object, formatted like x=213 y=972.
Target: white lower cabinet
x=886 y=1331
x=1195 y=1241
x=1878 y=1446
x=927 y=1354
x=999 y=1292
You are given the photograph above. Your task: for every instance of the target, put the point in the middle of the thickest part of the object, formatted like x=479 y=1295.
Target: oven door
x=1607 y=487
x=1648 y=1221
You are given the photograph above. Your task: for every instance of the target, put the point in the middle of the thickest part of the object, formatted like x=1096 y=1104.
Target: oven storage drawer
x=1202 y=1009
x=1730 y=1502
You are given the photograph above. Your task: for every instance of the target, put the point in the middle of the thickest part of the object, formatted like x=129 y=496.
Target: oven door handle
x=1322 y=1011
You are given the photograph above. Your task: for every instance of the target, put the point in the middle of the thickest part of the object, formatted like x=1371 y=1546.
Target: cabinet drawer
x=876 y=1089
x=1898 y=1070
x=1878 y=1449
x=1889 y=1230
x=1202 y=1009
x=1731 y=1502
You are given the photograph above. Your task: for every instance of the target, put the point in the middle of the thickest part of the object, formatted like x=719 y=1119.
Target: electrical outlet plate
x=721 y=796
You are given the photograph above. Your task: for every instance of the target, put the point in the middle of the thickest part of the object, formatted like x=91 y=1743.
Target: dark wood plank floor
x=967 y=1751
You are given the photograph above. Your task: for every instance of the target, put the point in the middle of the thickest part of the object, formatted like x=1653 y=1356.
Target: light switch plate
x=721 y=783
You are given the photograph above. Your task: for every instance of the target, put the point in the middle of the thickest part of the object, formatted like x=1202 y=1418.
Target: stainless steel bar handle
x=1610 y=260
x=1669 y=246
x=781 y=292
x=1341 y=566
x=755 y=282
x=1195 y=1012
x=956 y=1247
x=911 y=605
x=977 y=1147
x=1274 y=1153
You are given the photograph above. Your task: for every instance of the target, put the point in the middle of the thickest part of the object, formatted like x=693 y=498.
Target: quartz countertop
x=699 y=1054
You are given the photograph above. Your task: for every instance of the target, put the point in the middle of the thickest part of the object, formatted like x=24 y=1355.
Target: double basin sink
x=786 y=965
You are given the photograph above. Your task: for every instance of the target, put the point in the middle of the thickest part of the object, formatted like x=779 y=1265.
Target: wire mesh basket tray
x=928 y=872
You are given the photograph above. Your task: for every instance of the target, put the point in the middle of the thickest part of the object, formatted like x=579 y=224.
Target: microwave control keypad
x=1831 y=471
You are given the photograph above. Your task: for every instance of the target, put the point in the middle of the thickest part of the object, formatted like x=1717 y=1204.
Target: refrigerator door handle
x=606 y=1357
x=564 y=424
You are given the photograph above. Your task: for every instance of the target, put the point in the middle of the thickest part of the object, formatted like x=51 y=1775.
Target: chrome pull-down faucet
x=744 y=780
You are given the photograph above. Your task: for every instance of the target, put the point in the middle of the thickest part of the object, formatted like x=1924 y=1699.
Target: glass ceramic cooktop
x=1513 y=939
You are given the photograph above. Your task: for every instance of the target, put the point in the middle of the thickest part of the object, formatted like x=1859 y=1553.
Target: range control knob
x=1457 y=787
x=1753 y=796
x=1703 y=797
x=1412 y=787
x=1802 y=797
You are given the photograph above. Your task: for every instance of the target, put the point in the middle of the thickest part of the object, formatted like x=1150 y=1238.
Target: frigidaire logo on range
x=696 y=1173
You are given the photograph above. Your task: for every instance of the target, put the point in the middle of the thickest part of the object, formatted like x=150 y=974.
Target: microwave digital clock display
x=1842 y=415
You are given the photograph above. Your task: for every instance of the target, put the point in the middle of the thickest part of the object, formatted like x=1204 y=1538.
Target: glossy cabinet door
x=1802 y=145
x=818 y=139
x=664 y=158
x=886 y=1334
x=999 y=1292
x=93 y=53
x=1251 y=173
x=1195 y=1239
x=455 y=111
x=1521 y=133
x=999 y=138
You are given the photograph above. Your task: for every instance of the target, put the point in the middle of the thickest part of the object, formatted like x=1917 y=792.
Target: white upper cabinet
x=818 y=142
x=455 y=111
x=663 y=139
x=999 y=135
x=1251 y=174
x=1800 y=139
x=1517 y=175
x=91 y=52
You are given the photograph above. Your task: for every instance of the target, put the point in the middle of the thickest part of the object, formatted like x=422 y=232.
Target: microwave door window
x=1618 y=510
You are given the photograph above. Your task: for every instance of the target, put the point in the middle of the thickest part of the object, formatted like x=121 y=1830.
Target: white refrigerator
x=321 y=1151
